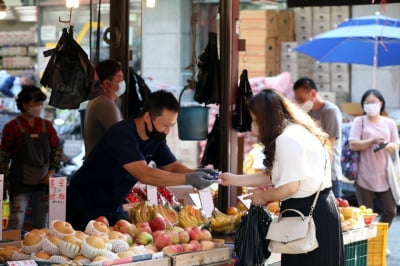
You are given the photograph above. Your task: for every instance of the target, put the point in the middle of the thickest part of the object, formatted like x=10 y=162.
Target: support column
x=229 y=38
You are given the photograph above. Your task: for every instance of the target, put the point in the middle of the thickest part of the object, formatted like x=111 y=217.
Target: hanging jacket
x=241 y=113
x=208 y=85
x=69 y=73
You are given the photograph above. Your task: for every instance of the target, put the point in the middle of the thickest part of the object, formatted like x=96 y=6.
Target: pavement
x=394 y=243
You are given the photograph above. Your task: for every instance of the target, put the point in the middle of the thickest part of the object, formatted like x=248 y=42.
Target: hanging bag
x=241 y=113
x=393 y=174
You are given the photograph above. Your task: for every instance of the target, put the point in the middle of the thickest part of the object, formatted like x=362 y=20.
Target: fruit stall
x=167 y=232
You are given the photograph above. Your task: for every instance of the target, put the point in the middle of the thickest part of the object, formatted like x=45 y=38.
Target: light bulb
x=151 y=3
x=72 y=3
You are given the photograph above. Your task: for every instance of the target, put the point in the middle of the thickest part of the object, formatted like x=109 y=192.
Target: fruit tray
x=202 y=257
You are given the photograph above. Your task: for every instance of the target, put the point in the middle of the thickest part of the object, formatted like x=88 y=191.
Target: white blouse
x=300 y=156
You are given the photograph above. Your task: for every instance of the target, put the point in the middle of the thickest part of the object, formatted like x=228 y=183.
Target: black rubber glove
x=198 y=180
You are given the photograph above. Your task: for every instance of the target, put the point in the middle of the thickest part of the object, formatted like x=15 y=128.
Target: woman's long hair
x=273 y=112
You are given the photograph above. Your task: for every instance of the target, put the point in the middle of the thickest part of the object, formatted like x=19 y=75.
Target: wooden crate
x=158 y=262
x=211 y=256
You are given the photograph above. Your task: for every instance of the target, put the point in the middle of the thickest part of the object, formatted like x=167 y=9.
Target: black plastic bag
x=251 y=246
x=241 y=113
x=211 y=152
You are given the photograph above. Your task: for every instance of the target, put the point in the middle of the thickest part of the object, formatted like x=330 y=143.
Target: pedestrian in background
x=30 y=153
x=297 y=165
x=102 y=111
x=374 y=136
x=329 y=117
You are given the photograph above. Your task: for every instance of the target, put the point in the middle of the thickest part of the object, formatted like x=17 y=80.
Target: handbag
x=293 y=235
x=393 y=174
x=349 y=159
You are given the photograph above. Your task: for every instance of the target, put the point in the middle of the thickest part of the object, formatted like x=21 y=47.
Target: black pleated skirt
x=328 y=229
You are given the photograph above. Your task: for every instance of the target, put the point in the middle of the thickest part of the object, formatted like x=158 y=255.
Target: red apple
x=158 y=223
x=342 y=202
x=144 y=238
x=207 y=244
x=172 y=249
x=187 y=247
x=195 y=234
x=174 y=236
x=205 y=234
x=162 y=240
x=156 y=233
x=144 y=226
x=124 y=226
x=103 y=220
x=183 y=237
x=196 y=245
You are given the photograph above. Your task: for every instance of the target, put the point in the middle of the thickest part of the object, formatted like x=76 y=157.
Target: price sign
x=206 y=201
x=57 y=198
x=152 y=194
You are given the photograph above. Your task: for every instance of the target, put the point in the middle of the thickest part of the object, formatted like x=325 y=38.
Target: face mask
x=155 y=135
x=35 y=111
x=372 y=109
x=307 y=106
x=121 y=88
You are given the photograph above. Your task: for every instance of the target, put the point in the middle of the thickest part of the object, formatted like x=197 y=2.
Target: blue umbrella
x=371 y=40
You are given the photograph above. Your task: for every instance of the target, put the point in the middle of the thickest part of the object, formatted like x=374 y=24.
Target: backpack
x=349 y=159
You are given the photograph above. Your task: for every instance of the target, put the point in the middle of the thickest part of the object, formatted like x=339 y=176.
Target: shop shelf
x=377 y=246
x=355 y=253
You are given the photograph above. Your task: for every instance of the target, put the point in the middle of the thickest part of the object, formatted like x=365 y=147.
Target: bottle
x=6 y=207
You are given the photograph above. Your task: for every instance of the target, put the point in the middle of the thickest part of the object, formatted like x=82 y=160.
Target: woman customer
x=374 y=136
x=297 y=165
x=29 y=155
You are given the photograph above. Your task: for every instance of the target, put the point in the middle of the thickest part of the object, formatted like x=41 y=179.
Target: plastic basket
x=355 y=254
x=377 y=246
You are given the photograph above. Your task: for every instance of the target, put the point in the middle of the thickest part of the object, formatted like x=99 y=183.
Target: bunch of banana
x=143 y=212
x=167 y=212
x=191 y=217
x=223 y=223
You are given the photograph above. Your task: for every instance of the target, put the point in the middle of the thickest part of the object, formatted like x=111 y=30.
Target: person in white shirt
x=297 y=153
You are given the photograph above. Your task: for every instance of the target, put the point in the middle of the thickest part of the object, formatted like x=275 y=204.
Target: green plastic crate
x=355 y=254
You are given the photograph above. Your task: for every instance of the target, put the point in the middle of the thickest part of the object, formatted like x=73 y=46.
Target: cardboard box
x=353 y=109
x=11 y=238
x=202 y=257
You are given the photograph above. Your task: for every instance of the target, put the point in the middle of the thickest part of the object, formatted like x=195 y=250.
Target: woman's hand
x=257 y=196
x=226 y=179
x=391 y=147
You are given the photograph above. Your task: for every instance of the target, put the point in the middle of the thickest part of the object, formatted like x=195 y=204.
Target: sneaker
x=388 y=252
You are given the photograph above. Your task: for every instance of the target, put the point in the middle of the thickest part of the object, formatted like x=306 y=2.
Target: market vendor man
x=121 y=158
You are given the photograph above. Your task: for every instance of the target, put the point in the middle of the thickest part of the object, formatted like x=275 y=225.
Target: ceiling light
x=151 y=3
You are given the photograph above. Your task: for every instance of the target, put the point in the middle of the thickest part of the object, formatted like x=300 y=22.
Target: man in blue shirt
x=121 y=158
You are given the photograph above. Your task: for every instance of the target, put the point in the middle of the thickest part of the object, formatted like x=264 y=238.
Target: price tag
x=21 y=263
x=206 y=201
x=57 y=198
x=152 y=194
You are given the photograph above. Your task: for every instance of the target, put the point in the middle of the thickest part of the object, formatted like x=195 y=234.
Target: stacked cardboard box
x=263 y=31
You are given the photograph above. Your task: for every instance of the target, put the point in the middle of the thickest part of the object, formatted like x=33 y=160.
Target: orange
x=232 y=210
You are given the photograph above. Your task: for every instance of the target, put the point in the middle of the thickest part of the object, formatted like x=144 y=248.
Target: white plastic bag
x=393 y=173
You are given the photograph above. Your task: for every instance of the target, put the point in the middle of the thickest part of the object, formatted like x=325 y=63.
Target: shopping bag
x=349 y=159
x=251 y=246
x=393 y=174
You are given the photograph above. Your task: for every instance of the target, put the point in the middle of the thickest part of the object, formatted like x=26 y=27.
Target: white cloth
x=300 y=156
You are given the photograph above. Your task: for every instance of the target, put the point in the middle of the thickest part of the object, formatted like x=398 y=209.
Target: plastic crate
x=377 y=246
x=355 y=254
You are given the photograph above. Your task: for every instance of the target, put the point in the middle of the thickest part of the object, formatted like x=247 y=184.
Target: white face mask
x=121 y=88
x=35 y=111
x=372 y=109
x=307 y=106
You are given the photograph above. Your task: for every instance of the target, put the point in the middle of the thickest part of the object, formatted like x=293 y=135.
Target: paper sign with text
x=207 y=201
x=152 y=194
x=57 y=198
x=21 y=263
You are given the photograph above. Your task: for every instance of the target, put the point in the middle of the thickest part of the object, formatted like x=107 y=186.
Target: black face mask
x=155 y=135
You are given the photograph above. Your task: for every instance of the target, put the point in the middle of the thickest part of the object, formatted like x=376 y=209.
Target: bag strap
x=319 y=189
